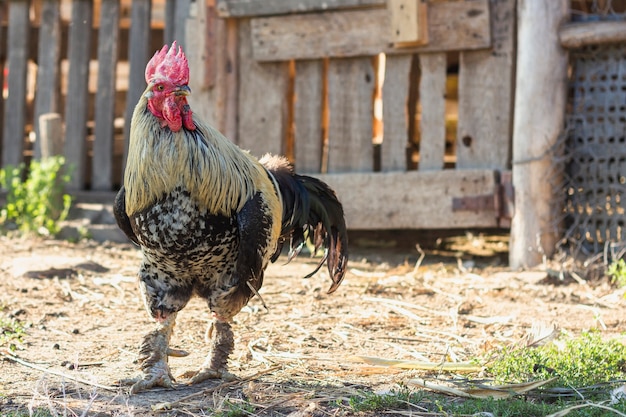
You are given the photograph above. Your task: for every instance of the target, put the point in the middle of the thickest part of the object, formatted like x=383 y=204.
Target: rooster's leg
x=153 y=356
x=222 y=344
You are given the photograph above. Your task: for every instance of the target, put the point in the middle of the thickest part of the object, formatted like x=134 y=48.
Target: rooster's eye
x=160 y=87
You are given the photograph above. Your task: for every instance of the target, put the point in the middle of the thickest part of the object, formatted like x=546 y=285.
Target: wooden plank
x=412 y=200
x=451 y=26
x=486 y=96
x=214 y=58
x=139 y=55
x=538 y=123
x=170 y=21
x=252 y=8
x=395 y=113
x=579 y=34
x=51 y=134
x=78 y=91
x=433 y=117
x=308 y=109
x=15 y=114
x=262 y=100
x=181 y=18
x=102 y=165
x=48 y=55
x=350 y=104
x=231 y=70
x=408 y=22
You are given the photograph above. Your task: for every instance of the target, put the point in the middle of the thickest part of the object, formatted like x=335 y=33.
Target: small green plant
x=395 y=399
x=578 y=362
x=11 y=331
x=617 y=272
x=234 y=410
x=36 y=203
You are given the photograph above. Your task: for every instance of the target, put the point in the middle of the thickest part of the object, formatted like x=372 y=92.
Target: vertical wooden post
x=308 y=115
x=486 y=80
x=262 y=99
x=78 y=91
x=181 y=17
x=102 y=166
x=46 y=98
x=539 y=117
x=351 y=107
x=138 y=58
x=395 y=112
x=50 y=127
x=433 y=121
x=15 y=111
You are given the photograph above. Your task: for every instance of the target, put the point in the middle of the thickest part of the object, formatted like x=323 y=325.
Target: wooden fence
x=307 y=79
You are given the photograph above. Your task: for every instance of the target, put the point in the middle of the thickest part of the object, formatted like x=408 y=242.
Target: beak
x=182 y=90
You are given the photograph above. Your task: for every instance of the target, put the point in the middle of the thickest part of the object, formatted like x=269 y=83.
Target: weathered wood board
x=252 y=8
x=576 y=35
x=47 y=96
x=262 y=100
x=451 y=26
x=486 y=86
x=350 y=126
x=15 y=113
x=412 y=200
x=395 y=114
x=308 y=115
x=78 y=92
x=138 y=56
x=408 y=22
x=214 y=57
x=433 y=118
x=102 y=165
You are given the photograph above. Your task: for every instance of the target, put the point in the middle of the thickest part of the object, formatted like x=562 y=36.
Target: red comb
x=171 y=64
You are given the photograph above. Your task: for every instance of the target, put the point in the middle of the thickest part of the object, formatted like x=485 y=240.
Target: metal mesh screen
x=596 y=146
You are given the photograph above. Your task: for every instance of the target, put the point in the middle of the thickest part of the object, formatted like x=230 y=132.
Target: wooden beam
x=15 y=110
x=351 y=110
x=433 y=117
x=486 y=81
x=412 y=200
x=540 y=99
x=48 y=55
x=78 y=91
x=577 y=35
x=254 y=8
x=102 y=164
x=451 y=26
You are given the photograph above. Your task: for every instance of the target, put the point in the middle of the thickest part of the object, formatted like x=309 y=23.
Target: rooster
x=209 y=217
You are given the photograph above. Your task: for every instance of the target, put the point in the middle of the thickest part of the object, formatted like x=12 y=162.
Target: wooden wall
x=307 y=79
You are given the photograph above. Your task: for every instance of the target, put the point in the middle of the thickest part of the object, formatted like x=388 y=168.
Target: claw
x=206 y=373
x=153 y=380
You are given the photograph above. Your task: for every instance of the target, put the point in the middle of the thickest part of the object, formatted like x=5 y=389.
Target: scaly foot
x=203 y=374
x=153 y=358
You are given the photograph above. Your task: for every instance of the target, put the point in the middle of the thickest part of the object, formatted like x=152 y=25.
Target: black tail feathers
x=311 y=211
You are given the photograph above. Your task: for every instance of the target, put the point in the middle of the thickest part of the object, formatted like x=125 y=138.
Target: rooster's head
x=167 y=75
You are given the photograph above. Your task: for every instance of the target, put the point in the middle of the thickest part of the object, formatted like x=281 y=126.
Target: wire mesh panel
x=597 y=146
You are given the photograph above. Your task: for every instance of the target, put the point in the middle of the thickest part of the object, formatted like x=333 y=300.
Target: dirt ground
x=303 y=356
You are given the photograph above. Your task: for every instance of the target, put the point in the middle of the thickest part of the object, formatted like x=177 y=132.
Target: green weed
x=11 y=332
x=231 y=409
x=36 y=203
x=617 y=272
x=577 y=362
